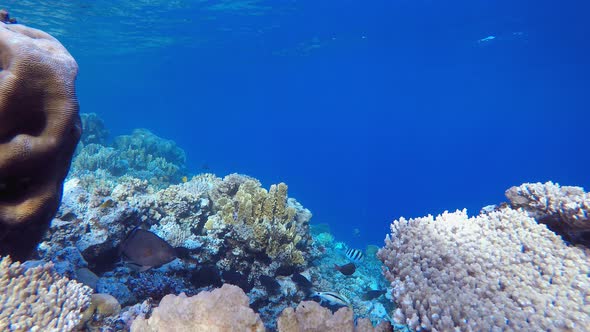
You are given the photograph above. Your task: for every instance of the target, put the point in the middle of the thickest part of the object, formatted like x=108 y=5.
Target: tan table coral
x=39 y=130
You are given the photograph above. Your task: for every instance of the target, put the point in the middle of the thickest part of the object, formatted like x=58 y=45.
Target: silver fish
x=332 y=298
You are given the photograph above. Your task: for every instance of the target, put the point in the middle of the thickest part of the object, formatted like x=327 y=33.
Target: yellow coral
x=271 y=221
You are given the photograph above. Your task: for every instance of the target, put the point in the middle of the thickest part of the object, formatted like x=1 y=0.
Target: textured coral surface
x=37 y=299
x=223 y=309
x=39 y=130
x=496 y=271
x=310 y=316
x=565 y=209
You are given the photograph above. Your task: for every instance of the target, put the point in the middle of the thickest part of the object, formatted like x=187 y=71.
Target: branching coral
x=93 y=129
x=566 y=210
x=144 y=152
x=141 y=155
x=496 y=271
x=268 y=218
x=38 y=300
x=39 y=130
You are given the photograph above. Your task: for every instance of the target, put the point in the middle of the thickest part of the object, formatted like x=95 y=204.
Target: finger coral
x=39 y=130
x=268 y=221
x=496 y=271
x=565 y=209
x=38 y=300
x=223 y=309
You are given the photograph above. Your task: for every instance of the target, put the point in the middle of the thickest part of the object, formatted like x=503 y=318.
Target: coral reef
x=497 y=271
x=223 y=309
x=141 y=155
x=366 y=278
x=309 y=316
x=94 y=130
x=97 y=213
x=564 y=209
x=5 y=17
x=37 y=299
x=39 y=130
x=265 y=221
x=101 y=308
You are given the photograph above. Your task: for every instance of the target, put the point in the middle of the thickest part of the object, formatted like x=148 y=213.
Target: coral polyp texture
x=223 y=309
x=497 y=271
x=39 y=130
x=37 y=299
x=565 y=209
x=266 y=221
x=310 y=316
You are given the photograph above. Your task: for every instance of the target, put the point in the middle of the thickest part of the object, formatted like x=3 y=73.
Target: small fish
x=356 y=232
x=332 y=298
x=373 y=294
x=486 y=39
x=107 y=204
x=184 y=179
x=354 y=255
x=301 y=281
x=270 y=284
x=346 y=269
x=144 y=250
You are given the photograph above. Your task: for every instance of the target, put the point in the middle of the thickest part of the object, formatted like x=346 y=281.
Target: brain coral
x=497 y=271
x=39 y=130
x=38 y=300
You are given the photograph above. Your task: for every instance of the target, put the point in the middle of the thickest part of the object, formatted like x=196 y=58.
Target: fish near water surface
x=144 y=250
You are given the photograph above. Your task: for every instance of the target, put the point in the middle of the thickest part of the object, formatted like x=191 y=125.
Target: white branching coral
x=37 y=299
x=564 y=209
x=496 y=271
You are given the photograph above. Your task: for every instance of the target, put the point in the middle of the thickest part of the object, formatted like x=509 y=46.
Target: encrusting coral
x=497 y=271
x=310 y=316
x=37 y=299
x=223 y=309
x=227 y=309
x=565 y=209
x=39 y=130
x=101 y=306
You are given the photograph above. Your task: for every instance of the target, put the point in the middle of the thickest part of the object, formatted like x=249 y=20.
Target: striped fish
x=333 y=298
x=354 y=255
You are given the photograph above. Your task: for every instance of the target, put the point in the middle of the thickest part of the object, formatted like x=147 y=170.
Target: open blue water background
x=368 y=110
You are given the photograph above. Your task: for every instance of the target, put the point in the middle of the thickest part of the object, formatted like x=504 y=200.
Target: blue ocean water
x=368 y=110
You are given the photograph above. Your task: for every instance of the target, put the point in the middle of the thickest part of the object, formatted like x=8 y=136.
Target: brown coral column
x=39 y=130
